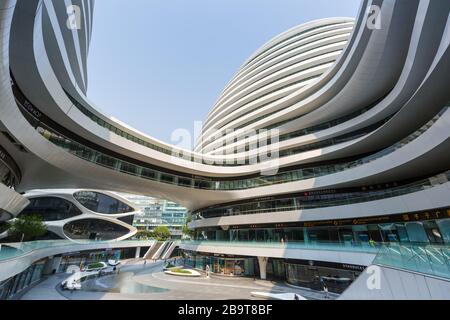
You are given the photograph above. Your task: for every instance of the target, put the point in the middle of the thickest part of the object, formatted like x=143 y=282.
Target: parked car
x=113 y=263
x=71 y=284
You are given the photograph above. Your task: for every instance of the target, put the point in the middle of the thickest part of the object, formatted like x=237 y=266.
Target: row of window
x=21 y=281
x=431 y=231
x=300 y=274
x=318 y=201
x=111 y=162
x=94 y=229
x=51 y=209
x=101 y=203
x=92 y=155
x=286 y=42
x=9 y=171
x=207 y=124
x=56 y=209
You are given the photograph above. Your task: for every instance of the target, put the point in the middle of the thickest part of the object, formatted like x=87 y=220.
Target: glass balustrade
x=427 y=259
x=111 y=162
x=421 y=258
x=313 y=245
x=116 y=164
x=10 y=251
x=295 y=203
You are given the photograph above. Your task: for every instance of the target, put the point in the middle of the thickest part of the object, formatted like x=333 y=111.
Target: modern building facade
x=155 y=212
x=82 y=214
x=329 y=143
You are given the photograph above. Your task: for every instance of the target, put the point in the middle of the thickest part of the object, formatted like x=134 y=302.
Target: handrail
x=10 y=251
x=348 y=198
x=299 y=245
x=427 y=259
x=116 y=164
x=15 y=175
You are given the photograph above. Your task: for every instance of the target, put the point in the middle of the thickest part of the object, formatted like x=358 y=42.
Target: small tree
x=144 y=234
x=186 y=231
x=161 y=233
x=27 y=228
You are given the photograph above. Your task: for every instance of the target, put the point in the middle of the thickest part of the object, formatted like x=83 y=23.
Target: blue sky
x=159 y=65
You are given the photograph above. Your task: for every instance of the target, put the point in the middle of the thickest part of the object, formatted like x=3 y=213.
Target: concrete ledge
x=277 y=296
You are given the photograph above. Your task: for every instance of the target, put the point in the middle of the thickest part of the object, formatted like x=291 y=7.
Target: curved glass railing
x=109 y=161
x=421 y=258
x=304 y=131
x=10 y=174
x=299 y=245
x=199 y=159
x=298 y=203
x=284 y=153
x=312 y=129
x=17 y=250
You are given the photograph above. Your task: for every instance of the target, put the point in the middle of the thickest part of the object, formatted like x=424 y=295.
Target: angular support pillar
x=263 y=267
x=138 y=252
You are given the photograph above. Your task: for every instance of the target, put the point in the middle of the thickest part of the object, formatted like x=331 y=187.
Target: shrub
x=95 y=265
x=27 y=227
x=182 y=271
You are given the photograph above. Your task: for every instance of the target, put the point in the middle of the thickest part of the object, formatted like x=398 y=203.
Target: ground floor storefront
x=430 y=227
x=22 y=281
x=15 y=286
x=315 y=275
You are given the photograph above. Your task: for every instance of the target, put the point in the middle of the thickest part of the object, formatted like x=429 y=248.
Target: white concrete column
x=263 y=267
x=51 y=264
x=138 y=252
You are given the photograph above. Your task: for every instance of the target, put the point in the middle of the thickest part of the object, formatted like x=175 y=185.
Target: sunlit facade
x=329 y=144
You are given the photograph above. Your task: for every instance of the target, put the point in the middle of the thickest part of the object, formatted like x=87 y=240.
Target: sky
x=159 y=65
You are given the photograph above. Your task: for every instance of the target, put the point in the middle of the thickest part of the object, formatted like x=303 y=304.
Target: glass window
x=416 y=232
x=444 y=227
x=51 y=209
x=101 y=203
x=433 y=232
x=94 y=229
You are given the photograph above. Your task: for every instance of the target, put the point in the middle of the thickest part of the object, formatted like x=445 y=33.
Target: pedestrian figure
x=207 y=271
x=325 y=289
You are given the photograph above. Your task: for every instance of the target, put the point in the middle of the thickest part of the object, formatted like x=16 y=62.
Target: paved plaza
x=139 y=281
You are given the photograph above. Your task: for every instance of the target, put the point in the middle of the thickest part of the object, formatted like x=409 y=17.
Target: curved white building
x=83 y=214
x=335 y=131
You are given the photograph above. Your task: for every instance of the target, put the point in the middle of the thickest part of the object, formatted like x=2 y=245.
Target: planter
x=183 y=272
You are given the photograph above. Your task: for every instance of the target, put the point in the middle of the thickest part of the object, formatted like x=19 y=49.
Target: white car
x=71 y=284
x=113 y=263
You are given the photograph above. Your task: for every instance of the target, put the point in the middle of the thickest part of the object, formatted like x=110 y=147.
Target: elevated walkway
x=152 y=251
x=169 y=250
x=396 y=284
x=404 y=272
x=17 y=257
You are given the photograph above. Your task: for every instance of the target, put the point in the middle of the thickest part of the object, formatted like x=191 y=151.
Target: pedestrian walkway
x=151 y=275
x=46 y=290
